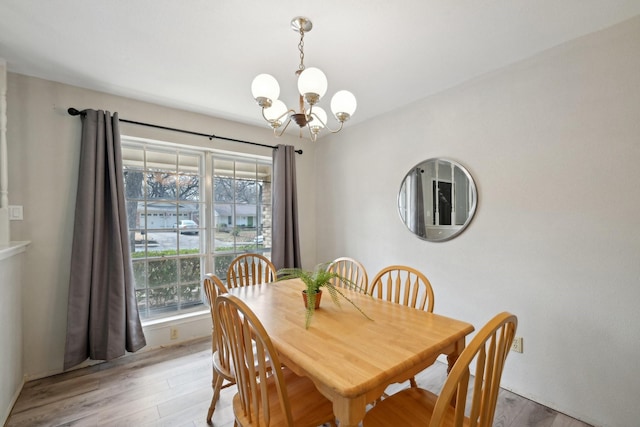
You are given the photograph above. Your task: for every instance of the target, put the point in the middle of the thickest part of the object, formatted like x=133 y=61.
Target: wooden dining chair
x=268 y=394
x=250 y=269
x=419 y=407
x=350 y=269
x=404 y=285
x=221 y=357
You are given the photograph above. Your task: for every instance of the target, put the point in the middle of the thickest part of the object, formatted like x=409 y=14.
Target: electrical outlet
x=517 y=345
x=173 y=333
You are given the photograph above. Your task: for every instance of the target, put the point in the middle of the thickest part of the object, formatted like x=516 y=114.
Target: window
x=183 y=224
x=241 y=193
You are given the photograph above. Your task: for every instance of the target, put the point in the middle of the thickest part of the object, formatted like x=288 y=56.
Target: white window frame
x=207 y=233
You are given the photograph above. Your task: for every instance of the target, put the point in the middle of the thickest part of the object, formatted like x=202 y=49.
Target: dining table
x=352 y=358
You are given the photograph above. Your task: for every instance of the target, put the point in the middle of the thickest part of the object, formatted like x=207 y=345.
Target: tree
x=133 y=190
x=229 y=190
x=163 y=185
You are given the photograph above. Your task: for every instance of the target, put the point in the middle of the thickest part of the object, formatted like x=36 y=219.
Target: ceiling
x=201 y=55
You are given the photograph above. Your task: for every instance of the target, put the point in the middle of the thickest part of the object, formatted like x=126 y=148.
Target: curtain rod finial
x=73 y=111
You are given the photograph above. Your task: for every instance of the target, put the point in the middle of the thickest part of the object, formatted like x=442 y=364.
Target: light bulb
x=265 y=86
x=312 y=81
x=275 y=112
x=343 y=102
x=320 y=117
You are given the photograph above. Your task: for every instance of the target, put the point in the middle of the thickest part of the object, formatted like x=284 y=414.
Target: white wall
x=553 y=143
x=4 y=175
x=11 y=268
x=43 y=166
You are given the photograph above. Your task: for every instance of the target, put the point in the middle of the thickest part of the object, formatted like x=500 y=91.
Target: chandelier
x=312 y=85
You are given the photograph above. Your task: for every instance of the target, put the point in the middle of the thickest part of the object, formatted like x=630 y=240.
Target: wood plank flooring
x=172 y=387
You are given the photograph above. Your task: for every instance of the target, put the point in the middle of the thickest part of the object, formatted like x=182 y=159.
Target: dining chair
x=269 y=394
x=350 y=269
x=221 y=357
x=250 y=269
x=419 y=407
x=404 y=285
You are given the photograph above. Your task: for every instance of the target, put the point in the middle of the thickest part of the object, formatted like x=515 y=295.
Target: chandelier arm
x=337 y=130
x=315 y=117
x=275 y=130
x=277 y=118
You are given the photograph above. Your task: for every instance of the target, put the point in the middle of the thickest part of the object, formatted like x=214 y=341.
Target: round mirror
x=437 y=199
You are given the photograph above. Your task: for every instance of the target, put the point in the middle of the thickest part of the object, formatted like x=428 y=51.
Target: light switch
x=15 y=213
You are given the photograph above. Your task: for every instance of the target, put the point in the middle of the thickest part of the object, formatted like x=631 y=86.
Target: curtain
x=102 y=317
x=285 y=248
x=418 y=224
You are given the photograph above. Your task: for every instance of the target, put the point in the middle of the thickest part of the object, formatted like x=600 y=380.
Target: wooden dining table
x=351 y=358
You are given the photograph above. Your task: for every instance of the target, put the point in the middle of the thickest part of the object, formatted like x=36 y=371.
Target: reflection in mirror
x=437 y=199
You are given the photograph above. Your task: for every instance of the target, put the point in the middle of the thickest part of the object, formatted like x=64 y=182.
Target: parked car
x=186 y=226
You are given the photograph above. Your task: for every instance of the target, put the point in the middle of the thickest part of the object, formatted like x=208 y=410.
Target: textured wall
x=553 y=144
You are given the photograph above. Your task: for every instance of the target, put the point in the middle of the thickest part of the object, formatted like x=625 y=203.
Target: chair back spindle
x=403 y=285
x=350 y=269
x=250 y=269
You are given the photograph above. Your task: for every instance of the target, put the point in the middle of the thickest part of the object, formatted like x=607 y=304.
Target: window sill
x=176 y=319
x=13 y=248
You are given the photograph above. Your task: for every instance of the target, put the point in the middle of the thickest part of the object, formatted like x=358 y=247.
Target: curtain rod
x=75 y=112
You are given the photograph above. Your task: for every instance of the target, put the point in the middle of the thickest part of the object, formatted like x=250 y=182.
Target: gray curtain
x=418 y=224
x=102 y=317
x=285 y=248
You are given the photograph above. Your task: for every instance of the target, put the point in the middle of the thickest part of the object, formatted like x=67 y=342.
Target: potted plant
x=314 y=280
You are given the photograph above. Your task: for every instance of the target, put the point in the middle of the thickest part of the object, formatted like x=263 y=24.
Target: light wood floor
x=172 y=387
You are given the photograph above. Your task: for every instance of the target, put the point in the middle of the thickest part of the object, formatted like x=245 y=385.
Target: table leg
x=451 y=359
x=350 y=412
x=453 y=356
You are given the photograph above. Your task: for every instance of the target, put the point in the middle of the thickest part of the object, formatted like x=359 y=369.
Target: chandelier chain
x=301 y=49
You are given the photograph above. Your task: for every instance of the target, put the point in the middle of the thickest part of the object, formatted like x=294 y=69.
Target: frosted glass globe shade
x=318 y=113
x=312 y=80
x=343 y=102
x=277 y=109
x=265 y=86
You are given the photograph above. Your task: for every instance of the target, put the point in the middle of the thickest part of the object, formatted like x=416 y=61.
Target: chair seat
x=227 y=374
x=308 y=412
x=410 y=407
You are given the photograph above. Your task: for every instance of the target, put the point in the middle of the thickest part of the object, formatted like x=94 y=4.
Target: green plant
x=319 y=277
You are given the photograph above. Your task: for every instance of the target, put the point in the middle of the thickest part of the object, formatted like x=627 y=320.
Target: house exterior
x=245 y=215
x=164 y=215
